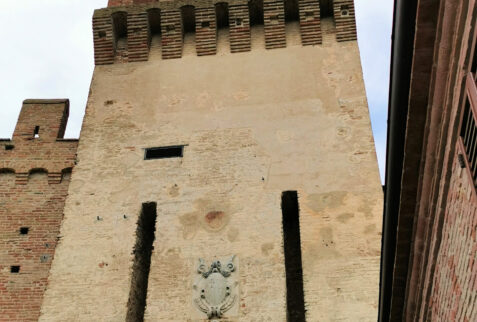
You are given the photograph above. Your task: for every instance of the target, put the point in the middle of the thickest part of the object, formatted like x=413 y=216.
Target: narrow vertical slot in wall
x=326 y=8
x=291 y=11
x=292 y=250
x=188 y=29
x=145 y=235
x=120 y=31
x=222 y=18
x=255 y=8
x=292 y=25
x=36 y=132
x=154 y=22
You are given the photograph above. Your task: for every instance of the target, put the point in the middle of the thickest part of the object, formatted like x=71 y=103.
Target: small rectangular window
x=24 y=230
x=9 y=147
x=36 y=133
x=164 y=152
x=15 y=269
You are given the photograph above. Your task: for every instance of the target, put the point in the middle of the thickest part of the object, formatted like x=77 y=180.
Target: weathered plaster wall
x=254 y=124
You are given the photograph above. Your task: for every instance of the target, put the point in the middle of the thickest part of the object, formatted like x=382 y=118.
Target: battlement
x=38 y=143
x=123 y=32
x=35 y=170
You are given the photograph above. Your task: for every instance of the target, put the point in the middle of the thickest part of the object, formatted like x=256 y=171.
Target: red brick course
x=455 y=276
x=34 y=179
x=206 y=30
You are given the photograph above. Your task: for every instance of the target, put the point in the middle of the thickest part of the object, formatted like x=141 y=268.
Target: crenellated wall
x=35 y=168
x=137 y=40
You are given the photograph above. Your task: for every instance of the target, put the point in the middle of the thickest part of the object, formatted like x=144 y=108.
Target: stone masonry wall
x=34 y=179
x=253 y=124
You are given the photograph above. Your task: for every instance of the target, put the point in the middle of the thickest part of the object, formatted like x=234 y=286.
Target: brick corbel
x=274 y=24
x=239 y=28
x=310 y=23
x=205 y=31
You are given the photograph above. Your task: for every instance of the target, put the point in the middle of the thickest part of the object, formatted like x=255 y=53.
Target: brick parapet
x=310 y=23
x=274 y=24
x=205 y=31
x=344 y=15
x=34 y=179
x=239 y=28
x=138 y=36
x=171 y=29
x=206 y=36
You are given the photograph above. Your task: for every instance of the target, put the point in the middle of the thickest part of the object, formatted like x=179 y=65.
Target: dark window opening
x=205 y=24
x=101 y=34
x=222 y=15
x=24 y=230
x=170 y=27
x=292 y=250
x=468 y=135
x=474 y=63
x=344 y=10
x=291 y=10
x=145 y=235
x=164 y=152
x=309 y=15
x=326 y=8
x=9 y=147
x=36 y=132
x=154 y=23
x=188 y=19
x=154 y=19
x=15 y=269
x=120 y=29
x=255 y=8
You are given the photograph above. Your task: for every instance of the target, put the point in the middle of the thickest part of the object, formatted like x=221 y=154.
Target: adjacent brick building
x=429 y=266
x=35 y=169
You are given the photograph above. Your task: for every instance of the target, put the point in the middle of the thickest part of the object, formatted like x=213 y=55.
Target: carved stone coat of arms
x=215 y=288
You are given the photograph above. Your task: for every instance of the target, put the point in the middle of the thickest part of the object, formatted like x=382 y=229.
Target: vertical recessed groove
x=145 y=235
x=292 y=249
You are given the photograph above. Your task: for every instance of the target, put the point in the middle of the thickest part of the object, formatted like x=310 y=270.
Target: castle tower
x=35 y=167
x=226 y=169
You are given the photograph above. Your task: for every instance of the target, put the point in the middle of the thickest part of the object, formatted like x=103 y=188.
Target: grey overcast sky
x=47 y=52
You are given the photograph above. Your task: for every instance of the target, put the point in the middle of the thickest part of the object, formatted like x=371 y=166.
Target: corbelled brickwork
x=103 y=40
x=274 y=23
x=343 y=11
x=239 y=28
x=206 y=31
x=138 y=36
x=172 y=41
x=171 y=29
x=34 y=177
x=310 y=22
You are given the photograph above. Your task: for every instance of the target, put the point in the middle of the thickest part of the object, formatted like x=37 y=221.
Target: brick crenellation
x=138 y=25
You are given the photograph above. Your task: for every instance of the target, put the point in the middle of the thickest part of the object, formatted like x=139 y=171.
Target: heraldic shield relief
x=216 y=287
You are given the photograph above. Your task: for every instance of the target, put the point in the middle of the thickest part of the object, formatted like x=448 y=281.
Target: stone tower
x=225 y=171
